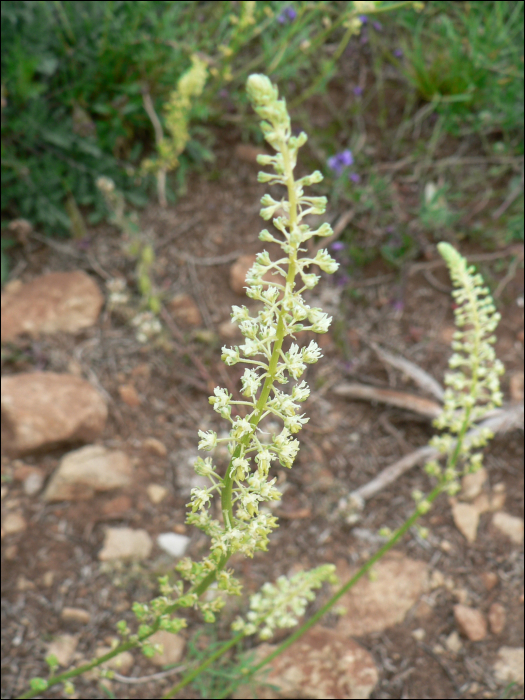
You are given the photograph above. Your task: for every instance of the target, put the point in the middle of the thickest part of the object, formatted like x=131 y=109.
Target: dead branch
x=410 y=402
x=420 y=377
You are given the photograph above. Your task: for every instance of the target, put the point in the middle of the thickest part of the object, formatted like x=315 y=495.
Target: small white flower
x=325 y=261
x=208 y=440
x=230 y=356
x=312 y=353
x=241 y=427
x=250 y=382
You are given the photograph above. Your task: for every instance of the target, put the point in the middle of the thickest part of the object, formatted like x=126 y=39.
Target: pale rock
x=497 y=618
x=33 y=483
x=129 y=395
x=419 y=634
x=125 y=543
x=75 y=615
x=43 y=409
x=156 y=493
x=472 y=484
x=155 y=446
x=173 y=544
x=453 y=642
x=498 y=498
x=48 y=578
x=63 y=647
x=89 y=469
x=24 y=584
x=446 y=546
x=509 y=525
x=516 y=387
x=466 y=519
x=490 y=579
x=58 y=301
x=372 y=605
x=482 y=503
x=471 y=622
x=509 y=666
x=13 y=522
x=172 y=648
x=321 y=664
x=461 y=595
x=121 y=663
x=437 y=579
x=185 y=310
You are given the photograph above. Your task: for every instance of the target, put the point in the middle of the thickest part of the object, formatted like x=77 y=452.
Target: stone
x=121 y=663
x=75 y=615
x=497 y=618
x=490 y=579
x=471 y=622
x=453 y=642
x=466 y=519
x=155 y=446
x=509 y=525
x=12 y=523
x=156 y=493
x=419 y=634
x=173 y=544
x=58 y=301
x=185 y=310
x=125 y=543
x=89 y=469
x=33 y=483
x=472 y=484
x=129 y=395
x=321 y=664
x=45 y=409
x=374 y=605
x=63 y=647
x=509 y=666
x=172 y=648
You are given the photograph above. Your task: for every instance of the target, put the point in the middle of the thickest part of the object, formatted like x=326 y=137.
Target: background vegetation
x=75 y=76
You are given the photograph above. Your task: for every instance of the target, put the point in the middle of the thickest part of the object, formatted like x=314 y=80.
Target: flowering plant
x=246 y=486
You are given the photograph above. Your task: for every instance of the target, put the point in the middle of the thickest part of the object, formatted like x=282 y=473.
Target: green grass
x=74 y=74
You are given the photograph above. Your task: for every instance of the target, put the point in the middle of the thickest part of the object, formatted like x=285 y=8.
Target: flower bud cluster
x=473 y=386
x=282 y=605
x=247 y=487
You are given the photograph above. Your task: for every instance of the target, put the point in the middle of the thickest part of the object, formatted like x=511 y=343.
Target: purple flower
x=340 y=161
x=358 y=91
x=354 y=177
x=338 y=245
x=377 y=26
x=363 y=18
x=397 y=304
x=398 y=53
x=287 y=15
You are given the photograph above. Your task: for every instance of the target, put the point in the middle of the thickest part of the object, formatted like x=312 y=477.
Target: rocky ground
x=99 y=431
